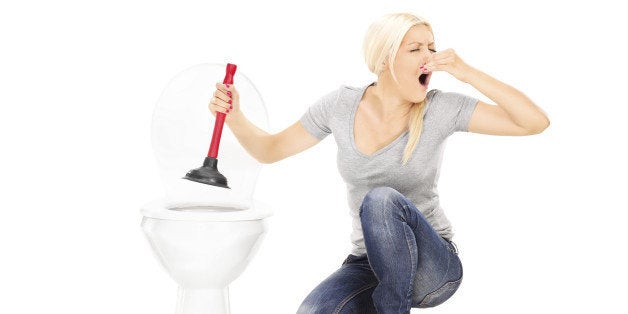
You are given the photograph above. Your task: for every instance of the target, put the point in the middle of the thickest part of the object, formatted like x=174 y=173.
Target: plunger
x=208 y=173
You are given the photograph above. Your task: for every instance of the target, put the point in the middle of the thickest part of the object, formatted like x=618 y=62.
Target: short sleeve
x=316 y=119
x=453 y=110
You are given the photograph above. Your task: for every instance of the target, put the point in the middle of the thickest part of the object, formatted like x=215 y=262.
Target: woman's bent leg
x=347 y=290
x=410 y=259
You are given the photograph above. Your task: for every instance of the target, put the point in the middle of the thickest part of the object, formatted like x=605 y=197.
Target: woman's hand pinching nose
x=447 y=60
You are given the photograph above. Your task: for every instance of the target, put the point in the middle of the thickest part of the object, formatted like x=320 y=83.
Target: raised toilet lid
x=159 y=209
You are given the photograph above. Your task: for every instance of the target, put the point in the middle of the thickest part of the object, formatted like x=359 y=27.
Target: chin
x=418 y=96
x=417 y=90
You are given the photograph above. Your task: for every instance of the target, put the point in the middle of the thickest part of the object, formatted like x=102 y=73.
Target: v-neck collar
x=352 y=118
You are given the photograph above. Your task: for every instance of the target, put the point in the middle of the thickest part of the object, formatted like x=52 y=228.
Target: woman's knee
x=379 y=199
x=381 y=193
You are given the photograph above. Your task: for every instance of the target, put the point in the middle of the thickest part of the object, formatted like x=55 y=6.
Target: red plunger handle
x=220 y=117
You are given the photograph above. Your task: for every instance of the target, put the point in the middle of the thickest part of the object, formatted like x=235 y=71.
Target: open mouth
x=424 y=79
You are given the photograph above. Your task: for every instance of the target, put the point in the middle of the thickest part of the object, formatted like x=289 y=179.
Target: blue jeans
x=407 y=263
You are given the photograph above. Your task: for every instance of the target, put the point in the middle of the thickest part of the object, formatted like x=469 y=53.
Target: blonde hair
x=382 y=41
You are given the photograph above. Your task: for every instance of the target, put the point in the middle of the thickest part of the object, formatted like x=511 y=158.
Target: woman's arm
x=515 y=113
x=511 y=104
x=269 y=148
x=264 y=147
x=254 y=140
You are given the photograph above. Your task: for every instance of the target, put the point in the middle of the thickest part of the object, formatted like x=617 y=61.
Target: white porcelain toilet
x=204 y=248
x=203 y=235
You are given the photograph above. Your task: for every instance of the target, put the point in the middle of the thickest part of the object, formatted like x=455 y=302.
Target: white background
x=540 y=220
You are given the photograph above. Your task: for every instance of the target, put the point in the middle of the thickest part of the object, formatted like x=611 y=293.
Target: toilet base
x=203 y=301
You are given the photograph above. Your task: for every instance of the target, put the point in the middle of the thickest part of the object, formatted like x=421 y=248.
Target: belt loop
x=455 y=247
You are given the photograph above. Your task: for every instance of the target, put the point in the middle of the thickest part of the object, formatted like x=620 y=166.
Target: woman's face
x=415 y=50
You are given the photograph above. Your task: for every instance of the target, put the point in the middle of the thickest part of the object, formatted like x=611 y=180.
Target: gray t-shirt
x=445 y=113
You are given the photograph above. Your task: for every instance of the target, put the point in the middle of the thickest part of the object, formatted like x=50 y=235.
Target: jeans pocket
x=441 y=294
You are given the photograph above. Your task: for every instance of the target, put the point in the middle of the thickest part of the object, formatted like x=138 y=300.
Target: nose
x=426 y=57
x=424 y=61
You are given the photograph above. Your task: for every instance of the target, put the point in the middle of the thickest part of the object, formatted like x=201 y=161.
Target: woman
x=402 y=254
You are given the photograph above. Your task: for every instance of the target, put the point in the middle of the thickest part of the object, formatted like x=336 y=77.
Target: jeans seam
x=351 y=296
x=439 y=289
x=413 y=264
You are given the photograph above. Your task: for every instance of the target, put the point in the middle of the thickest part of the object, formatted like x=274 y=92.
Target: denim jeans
x=407 y=263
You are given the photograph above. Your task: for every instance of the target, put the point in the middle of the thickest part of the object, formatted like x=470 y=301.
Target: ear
x=385 y=62
x=384 y=66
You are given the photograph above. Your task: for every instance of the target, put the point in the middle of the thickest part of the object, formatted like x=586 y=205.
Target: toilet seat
x=160 y=209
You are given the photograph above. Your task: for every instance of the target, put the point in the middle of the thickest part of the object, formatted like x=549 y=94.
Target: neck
x=387 y=103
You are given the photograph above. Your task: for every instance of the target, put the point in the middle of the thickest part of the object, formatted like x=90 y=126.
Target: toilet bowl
x=204 y=247
x=204 y=236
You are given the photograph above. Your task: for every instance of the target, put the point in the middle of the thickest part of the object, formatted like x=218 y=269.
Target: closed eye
x=432 y=50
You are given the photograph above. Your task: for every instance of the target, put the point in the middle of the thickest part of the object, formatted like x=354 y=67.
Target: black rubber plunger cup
x=208 y=173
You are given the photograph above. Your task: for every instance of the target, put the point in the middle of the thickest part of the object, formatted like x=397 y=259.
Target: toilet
x=204 y=236
x=204 y=248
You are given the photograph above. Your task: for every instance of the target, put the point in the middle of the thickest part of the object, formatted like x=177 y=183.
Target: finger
x=430 y=63
x=443 y=54
x=225 y=87
x=226 y=91
x=429 y=67
x=223 y=104
x=444 y=61
x=219 y=105
x=437 y=64
x=433 y=67
x=221 y=87
x=216 y=108
x=222 y=96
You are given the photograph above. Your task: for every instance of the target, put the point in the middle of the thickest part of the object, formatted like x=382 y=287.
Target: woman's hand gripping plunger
x=226 y=100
